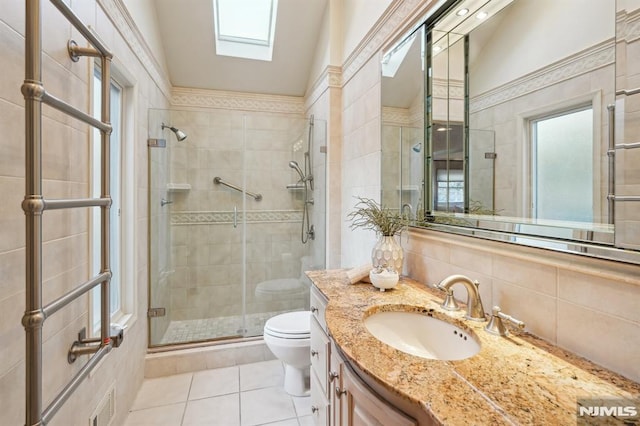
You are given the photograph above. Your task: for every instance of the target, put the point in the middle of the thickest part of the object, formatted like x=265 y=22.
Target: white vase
x=387 y=253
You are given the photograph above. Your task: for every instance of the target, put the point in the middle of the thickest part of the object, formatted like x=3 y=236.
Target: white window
x=121 y=226
x=245 y=28
x=562 y=166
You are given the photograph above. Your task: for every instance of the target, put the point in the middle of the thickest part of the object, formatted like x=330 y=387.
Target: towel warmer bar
x=34 y=205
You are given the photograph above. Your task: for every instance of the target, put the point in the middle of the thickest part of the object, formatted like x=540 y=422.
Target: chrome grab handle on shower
x=629 y=92
x=218 y=181
x=235 y=216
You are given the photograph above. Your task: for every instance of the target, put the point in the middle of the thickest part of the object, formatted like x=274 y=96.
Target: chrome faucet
x=475 y=311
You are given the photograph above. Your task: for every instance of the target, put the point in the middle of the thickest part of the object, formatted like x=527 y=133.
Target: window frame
x=125 y=314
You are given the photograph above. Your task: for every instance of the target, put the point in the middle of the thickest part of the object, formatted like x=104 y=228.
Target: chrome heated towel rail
x=35 y=205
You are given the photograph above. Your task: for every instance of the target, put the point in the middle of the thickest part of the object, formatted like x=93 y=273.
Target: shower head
x=180 y=135
x=294 y=165
x=417 y=147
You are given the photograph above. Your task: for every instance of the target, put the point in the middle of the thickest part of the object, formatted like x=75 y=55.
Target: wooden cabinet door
x=362 y=407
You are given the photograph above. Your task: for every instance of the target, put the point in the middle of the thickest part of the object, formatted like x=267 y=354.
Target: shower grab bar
x=630 y=92
x=218 y=180
x=633 y=145
x=34 y=205
x=624 y=197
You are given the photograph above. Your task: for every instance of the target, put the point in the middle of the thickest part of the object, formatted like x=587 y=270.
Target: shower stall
x=230 y=221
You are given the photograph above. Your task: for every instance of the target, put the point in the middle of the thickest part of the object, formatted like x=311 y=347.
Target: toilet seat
x=290 y=325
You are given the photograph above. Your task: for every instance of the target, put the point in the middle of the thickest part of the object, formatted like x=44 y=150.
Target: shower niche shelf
x=178 y=187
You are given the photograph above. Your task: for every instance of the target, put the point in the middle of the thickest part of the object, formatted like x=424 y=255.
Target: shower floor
x=215 y=328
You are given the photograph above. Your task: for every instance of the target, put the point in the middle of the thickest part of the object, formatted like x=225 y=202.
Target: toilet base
x=296 y=381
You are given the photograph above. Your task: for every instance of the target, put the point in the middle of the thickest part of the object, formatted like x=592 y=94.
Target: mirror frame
x=504 y=231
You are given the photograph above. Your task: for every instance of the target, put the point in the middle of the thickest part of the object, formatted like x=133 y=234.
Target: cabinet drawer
x=318 y=305
x=320 y=407
x=320 y=350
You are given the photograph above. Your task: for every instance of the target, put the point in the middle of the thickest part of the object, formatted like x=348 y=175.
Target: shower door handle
x=235 y=216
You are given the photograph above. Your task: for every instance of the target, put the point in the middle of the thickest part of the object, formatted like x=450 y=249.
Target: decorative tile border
x=202 y=98
x=226 y=217
x=588 y=60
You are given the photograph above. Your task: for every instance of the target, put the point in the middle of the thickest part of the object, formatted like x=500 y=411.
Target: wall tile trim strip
x=226 y=217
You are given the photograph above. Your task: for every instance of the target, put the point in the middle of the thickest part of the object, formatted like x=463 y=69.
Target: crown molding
x=124 y=23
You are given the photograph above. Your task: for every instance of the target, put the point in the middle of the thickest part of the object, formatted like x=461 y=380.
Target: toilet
x=288 y=337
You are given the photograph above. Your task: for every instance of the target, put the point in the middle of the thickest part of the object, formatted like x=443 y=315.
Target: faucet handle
x=450 y=303
x=496 y=326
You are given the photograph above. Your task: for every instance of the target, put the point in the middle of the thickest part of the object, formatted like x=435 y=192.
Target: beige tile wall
x=585 y=305
x=361 y=155
x=250 y=149
x=65 y=264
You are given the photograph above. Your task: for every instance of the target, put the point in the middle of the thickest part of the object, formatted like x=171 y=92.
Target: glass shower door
x=197 y=228
x=226 y=252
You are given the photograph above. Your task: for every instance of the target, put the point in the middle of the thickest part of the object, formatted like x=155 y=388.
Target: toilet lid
x=294 y=324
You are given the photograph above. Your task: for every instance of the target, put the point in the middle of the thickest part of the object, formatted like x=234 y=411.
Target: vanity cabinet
x=359 y=405
x=338 y=396
x=320 y=356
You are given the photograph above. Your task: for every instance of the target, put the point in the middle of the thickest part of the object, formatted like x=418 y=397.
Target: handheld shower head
x=294 y=165
x=180 y=135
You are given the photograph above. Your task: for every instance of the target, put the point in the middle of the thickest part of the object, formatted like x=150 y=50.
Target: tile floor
x=180 y=331
x=244 y=395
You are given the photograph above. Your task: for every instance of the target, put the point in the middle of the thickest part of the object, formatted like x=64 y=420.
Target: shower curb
x=188 y=360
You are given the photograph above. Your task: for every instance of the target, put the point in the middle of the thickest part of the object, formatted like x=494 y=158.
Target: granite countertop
x=518 y=379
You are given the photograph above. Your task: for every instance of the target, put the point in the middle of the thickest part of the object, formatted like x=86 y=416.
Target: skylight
x=245 y=28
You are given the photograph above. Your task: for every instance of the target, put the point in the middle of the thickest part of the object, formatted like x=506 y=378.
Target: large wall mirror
x=519 y=120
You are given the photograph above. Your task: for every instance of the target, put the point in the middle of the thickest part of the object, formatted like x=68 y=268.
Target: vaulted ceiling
x=187 y=31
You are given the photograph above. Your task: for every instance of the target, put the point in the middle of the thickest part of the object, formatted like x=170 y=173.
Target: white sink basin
x=422 y=335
